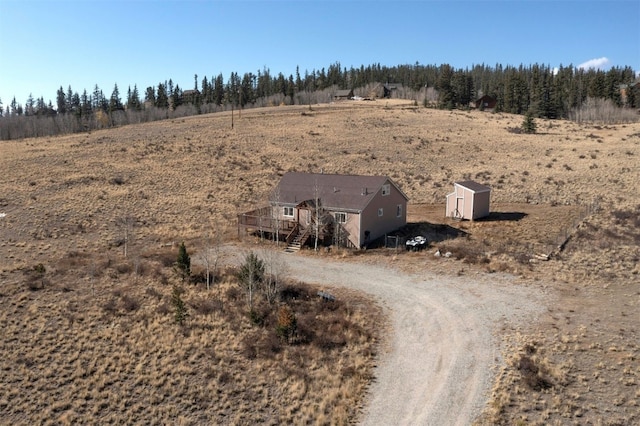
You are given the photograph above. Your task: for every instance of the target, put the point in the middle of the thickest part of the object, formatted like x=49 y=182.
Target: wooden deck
x=262 y=220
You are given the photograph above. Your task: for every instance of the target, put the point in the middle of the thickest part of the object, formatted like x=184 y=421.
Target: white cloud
x=598 y=63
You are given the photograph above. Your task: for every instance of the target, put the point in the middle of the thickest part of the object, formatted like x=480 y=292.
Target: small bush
x=153 y=293
x=110 y=306
x=130 y=304
x=287 y=324
x=123 y=268
x=117 y=180
x=532 y=375
x=207 y=306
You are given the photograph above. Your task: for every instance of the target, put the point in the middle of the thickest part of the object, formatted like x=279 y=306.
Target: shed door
x=459 y=211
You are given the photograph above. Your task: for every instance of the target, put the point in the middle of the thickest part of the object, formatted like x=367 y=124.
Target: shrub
x=532 y=374
x=130 y=304
x=287 y=324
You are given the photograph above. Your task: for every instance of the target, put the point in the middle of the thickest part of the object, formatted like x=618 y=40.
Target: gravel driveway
x=441 y=358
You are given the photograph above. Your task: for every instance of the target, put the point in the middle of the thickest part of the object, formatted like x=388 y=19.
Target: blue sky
x=45 y=44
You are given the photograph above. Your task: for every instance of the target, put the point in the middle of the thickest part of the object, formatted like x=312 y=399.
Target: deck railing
x=262 y=220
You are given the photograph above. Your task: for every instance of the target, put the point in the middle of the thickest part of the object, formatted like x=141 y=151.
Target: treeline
x=536 y=89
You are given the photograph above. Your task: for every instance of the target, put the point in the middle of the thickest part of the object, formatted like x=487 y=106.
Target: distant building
x=343 y=94
x=486 y=103
x=393 y=90
x=469 y=200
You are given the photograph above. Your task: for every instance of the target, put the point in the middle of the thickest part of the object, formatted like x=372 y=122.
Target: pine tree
x=162 y=98
x=85 y=104
x=150 y=95
x=183 y=263
x=445 y=91
x=529 y=123
x=61 y=101
x=179 y=307
x=115 y=103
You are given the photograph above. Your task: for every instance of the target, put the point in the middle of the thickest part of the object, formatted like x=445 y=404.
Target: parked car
x=416 y=243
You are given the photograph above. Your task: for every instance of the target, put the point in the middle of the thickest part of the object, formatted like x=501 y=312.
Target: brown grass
x=93 y=337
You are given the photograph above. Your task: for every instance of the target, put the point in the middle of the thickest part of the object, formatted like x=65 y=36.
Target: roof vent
x=365 y=191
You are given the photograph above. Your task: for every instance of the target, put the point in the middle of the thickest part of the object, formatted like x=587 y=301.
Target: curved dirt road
x=440 y=362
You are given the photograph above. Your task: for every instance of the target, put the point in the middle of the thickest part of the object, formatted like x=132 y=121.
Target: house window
x=386 y=189
x=380 y=211
x=399 y=210
x=288 y=212
x=341 y=217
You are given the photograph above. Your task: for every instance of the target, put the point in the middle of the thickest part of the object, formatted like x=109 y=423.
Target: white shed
x=469 y=200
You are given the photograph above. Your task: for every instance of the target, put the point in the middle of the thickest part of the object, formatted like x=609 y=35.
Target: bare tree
x=251 y=276
x=275 y=274
x=126 y=223
x=275 y=212
x=210 y=255
x=316 y=214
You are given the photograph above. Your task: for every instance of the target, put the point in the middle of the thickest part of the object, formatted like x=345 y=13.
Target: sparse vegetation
x=75 y=350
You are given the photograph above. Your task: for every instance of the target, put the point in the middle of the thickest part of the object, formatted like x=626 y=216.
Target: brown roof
x=344 y=192
x=474 y=186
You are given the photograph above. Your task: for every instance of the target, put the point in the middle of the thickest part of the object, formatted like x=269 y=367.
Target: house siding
x=378 y=226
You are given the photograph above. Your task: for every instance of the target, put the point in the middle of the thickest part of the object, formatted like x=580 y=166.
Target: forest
x=537 y=90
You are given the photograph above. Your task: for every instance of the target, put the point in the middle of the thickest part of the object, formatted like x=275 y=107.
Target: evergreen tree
x=85 y=104
x=529 y=123
x=299 y=84
x=445 y=91
x=30 y=108
x=115 y=103
x=597 y=85
x=133 y=99
x=179 y=307
x=69 y=99
x=150 y=95
x=632 y=95
x=218 y=90
x=61 y=101
x=177 y=97
x=162 y=98
x=75 y=104
x=183 y=263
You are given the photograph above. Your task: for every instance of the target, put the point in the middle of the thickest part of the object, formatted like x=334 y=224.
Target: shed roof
x=344 y=92
x=346 y=192
x=473 y=186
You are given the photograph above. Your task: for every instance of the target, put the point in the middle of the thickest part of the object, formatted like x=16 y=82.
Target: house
x=190 y=96
x=469 y=200
x=345 y=210
x=486 y=103
x=393 y=90
x=343 y=94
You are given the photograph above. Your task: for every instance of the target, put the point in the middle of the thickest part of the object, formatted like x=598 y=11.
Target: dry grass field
x=91 y=336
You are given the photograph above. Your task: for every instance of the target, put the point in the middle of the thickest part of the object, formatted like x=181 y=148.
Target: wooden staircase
x=297 y=239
